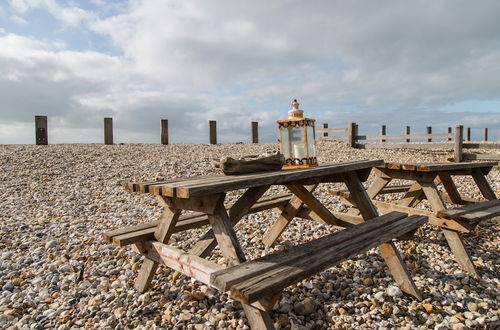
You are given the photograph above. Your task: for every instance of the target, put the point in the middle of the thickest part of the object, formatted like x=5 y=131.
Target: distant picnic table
x=258 y=283
x=426 y=178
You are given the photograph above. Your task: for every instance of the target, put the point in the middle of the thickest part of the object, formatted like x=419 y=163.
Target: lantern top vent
x=295 y=112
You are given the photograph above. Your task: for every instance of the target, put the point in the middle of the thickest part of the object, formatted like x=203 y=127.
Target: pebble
x=57 y=272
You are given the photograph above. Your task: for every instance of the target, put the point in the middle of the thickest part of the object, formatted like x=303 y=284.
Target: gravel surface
x=57 y=272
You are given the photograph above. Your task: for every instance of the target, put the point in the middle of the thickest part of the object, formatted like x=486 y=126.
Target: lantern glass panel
x=311 y=148
x=297 y=134
x=285 y=142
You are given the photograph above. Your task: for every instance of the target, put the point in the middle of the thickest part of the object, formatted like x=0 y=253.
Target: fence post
x=351 y=135
x=41 y=130
x=382 y=132
x=407 y=132
x=255 y=132
x=485 y=134
x=108 y=130
x=429 y=131
x=467 y=137
x=457 y=149
x=450 y=131
x=325 y=126
x=164 y=131
x=212 y=127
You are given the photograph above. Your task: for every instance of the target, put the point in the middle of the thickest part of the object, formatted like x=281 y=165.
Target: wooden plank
x=272 y=178
x=289 y=212
x=226 y=278
x=381 y=136
x=212 y=127
x=201 y=204
x=331 y=130
x=481 y=145
x=483 y=184
x=108 y=130
x=188 y=264
x=404 y=145
x=255 y=132
x=388 y=250
x=458 y=249
x=433 y=167
x=41 y=130
x=470 y=156
x=384 y=207
x=413 y=196
x=477 y=216
x=378 y=186
x=433 y=196
x=224 y=232
x=279 y=278
x=456 y=213
x=164 y=131
x=316 y=206
x=450 y=187
x=162 y=234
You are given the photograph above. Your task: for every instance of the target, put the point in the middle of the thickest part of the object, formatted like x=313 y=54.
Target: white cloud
x=242 y=61
x=18 y=20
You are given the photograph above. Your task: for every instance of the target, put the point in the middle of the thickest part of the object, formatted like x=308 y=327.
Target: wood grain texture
x=321 y=257
x=483 y=184
x=457 y=247
x=450 y=187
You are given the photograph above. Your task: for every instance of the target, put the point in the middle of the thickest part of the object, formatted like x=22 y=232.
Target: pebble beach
x=56 y=271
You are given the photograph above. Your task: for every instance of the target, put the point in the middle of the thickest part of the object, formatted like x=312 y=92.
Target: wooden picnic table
x=426 y=178
x=258 y=283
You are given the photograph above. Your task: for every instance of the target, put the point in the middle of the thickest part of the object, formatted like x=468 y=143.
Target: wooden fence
x=350 y=134
x=448 y=141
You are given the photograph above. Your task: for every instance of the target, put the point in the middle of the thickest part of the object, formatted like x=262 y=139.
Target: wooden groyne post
x=108 y=130
x=41 y=130
x=457 y=149
x=164 y=131
x=255 y=132
x=212 y=128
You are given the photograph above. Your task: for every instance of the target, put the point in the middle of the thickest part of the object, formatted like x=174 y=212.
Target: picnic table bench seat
x=473 y=213
x=145 y=232
x=252 y=280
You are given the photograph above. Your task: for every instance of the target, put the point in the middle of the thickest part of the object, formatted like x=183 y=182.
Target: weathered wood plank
x=471 y=156
x=433 y=219
x=450 y=187
x=272 y=178
x=287 y=274
x=456 y=213
x=405 y=145
x=226 y=278
x=188 y=264
x=458 y=249
x=289 y=212
x=433 y=167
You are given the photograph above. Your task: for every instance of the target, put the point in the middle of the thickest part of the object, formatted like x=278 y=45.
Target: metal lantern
x=296 y=139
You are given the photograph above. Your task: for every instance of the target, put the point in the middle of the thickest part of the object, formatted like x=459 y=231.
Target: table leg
x=289 y=212
x=231 y=250
x=450 y=188
x=483 y=184
x=163 y=232
x=413 y=196
x=452 y=237
x=388 y=250
x=377 y=186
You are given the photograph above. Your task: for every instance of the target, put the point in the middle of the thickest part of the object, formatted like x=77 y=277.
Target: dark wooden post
x=429 y=131
x=164 y=131
x=485 y=134
x=212 y=127
x=450 y=131
x=41 y=130
x=457 y=150
x=351 y=135
x=382 y=132
x=407 y=132
x=255 y=132
x=108 y=130
x=467 y=137
x=325 y=126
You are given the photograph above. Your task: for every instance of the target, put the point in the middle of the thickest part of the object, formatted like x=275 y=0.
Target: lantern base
x=289 y=167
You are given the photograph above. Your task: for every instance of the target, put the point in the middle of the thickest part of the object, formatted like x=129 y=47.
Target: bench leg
x=289 y=212
x=231 y=250
x=388 y=250
x=413 y=196
x=377 y=186
x=458 y=249
x=163 y=232
x=452 y=237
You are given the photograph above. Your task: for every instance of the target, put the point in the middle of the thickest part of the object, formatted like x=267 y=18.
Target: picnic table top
x=436 y=167
x=212 y=184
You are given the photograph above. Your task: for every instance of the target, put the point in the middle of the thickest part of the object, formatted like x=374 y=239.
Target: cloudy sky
x=397 y=63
